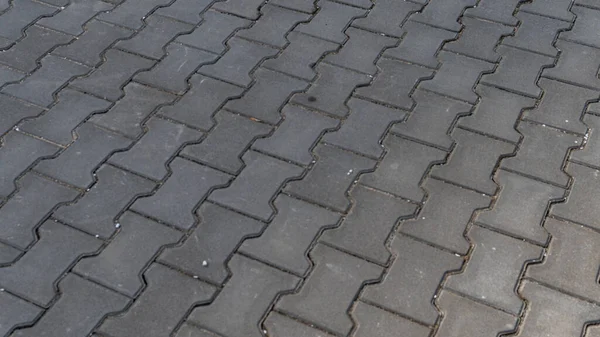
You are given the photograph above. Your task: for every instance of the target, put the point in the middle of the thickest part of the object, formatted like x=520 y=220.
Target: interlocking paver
x=96 y=211
x=273 y=25
x=498 y=11
x=553 y=313
x=219 y=233
x=266 y=107
x=387 y=17
x=411 y=282
x=402 y=168
x=577 y=64
x=327 y=182
x=479 y=39
x=57 y=124
x=18 y=152
x=71 y=19
x=331 y=89
x=20 y=15
x=365 y=126
x=13 y=111
x=582 y=196
x=443 y=219
x=361 y=50
x=33 y=275
x=287 y=239
x=536 y=33
x=248 y=9
x=590 y=154
x=277 y=324
x=77 y=311
x=185 y=10
x=175 y=201
x=432 y=107
x=150 y=154
x=329 y=289
x=15 y=311
x=261 y=170
x=520 y=206
x=225 y=144
x=296 y=135
x=214 y=30
x=8 y=75
x=559 y=9
x=374 y=321
x=444 y=13
x=21 y=214
x=420 y=44
x=331 y=21
x=585 y=27
x=158 y=310
x=131 y=13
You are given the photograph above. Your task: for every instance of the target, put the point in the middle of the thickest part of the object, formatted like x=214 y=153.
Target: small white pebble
x=566 y=120
x=195 y=276
x=204 y=263
x=97 y=235
x=423 y=218
x=1 y=289
x=117 y=225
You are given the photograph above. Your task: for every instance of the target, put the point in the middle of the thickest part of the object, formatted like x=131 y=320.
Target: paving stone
x=18 y=152
x=298 y=5
x=216 y=237
x=127 y=115
x=273 y=25
x=472 y=161
x=403 y=167
x=333 y=174
x=497 y=11
x=361 y=50
x=277 y=324
x=20 y=15
x=97 y=210
x=214 y=30
x=89 y=46
x=479 y=38
x=166 y=299
x=386 y=88
x=561 y=106
x=225 y=144
x=330 y=289
x=572 y=254
x=131 y=13
x=174 y=69
x=577 y=64
x=244 y=8
x=38 y=41
x=238 y=62
x=201 y=102
x=71 y=19
x=266 y=96
x=457 y=76
x=109 y=78
x=287 y=239
x=463 y=317
x=13 y=111
x=175 y=200
x=189 y=11
x=585 y=27
x=387 y=17
x=536 y=33
x=444 y=13
x=364 y=128
x=296 y=135
x=372 y=321
x=9 y=75
x=22 y=213
x=558 y=9
x=582 y=197
x=331 y=89
x=412 y=280
x=76 y=164
x=33 y=275
x=542 y=153
x=79 y=308
x=494 y=267
x=244 y=299
x=590 y=154
x=151 y=40
x=8 y=255
x=138 y=240
x=381 y=211
x=432 y=107
x=420 y=44
x=445 y=215
x=150 y=154
x=518 y=71
x=39 y=88
x=331 y=21
x=15 y=311
x=58 y=123
x=520 y=207
x=261 y=171
x=497 y=112
x=553 y=313
x=299 y=57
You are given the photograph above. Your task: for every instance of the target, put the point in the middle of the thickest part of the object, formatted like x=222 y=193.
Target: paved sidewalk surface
x=290 y=168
